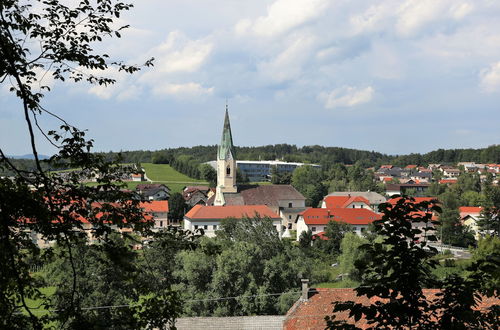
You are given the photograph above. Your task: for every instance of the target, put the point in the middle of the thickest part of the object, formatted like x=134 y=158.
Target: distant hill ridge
x=325 y=156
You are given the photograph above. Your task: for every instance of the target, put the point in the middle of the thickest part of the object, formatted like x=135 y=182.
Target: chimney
x=305 y=290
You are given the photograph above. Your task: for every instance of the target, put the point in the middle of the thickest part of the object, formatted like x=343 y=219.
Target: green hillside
x=164 y=173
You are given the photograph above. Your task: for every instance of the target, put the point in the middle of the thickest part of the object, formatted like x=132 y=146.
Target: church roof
x=261 y=195
x=226 y=147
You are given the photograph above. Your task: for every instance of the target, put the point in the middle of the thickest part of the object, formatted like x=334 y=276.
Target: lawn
x=163 y=173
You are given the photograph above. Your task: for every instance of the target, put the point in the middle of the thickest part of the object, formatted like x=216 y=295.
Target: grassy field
x=164 y=173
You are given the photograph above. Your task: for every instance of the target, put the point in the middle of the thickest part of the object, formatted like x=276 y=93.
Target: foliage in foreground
x=399 y=268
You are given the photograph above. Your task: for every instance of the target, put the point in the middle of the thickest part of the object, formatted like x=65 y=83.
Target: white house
x=209 y=218
x=316 y=219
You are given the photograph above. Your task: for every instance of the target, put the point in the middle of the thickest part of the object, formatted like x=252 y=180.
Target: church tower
x=226 y=164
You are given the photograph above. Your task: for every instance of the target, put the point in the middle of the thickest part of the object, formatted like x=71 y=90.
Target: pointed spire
x=226 y=147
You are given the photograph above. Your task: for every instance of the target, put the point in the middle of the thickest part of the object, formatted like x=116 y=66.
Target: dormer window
x=228 y=171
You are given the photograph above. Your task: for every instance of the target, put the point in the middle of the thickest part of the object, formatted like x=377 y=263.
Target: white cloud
x=414 y=15
x=288 y=64
x=346 y=96
x=282 y=16
x=490 y=78
x=190 y=89
x=179 y=54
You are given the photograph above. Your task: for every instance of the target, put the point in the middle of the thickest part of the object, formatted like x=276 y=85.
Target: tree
x=209 y=174
x=398 y=269
x=350 y=254
x=490 y=215
x=399 y=282
x=56 y=39
x=177 y=206
x=335 y=232
x=451 y=230
x=308 y=181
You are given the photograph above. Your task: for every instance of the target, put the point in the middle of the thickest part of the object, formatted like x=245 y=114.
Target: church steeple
x=226 y=148
x=226 y=164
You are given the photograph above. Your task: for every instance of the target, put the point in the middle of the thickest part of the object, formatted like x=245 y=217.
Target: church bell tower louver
x=226 y=164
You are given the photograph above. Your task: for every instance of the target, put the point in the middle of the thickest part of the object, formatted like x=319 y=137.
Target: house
x=374 y=199
x=422 y=177
x=138 y=177
x=158 y=210
x=153 y=191
x=194 y=195
x=451 y=172
x=316 y=219
x=470 y=215
x=448 y=181
x=401 y=189
x=208 y=218
x=347 y=201
x=310 y=310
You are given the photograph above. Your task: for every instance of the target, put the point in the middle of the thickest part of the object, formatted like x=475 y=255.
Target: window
x=363 y=230
x=205 y=227
x=215 y=227
x=313 y=228
x=289 y=226
x=161 y=223
x=228 y=170
x=290 y=205
x=354 y=206
x=289 y=217
x=195 y=226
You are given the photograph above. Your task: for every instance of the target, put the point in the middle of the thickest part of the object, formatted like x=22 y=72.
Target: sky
x=391 y=76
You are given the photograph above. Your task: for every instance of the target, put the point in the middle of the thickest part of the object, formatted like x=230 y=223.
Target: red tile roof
x=356 y=199
x=311 y=314
x=230 y=211
x=470 y=209
x=335 y=201
x=411 y=166
x=155 y=206
x=320 y=216
x=444 y=181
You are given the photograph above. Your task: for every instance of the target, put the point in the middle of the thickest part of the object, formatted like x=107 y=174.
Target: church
x=281 y=203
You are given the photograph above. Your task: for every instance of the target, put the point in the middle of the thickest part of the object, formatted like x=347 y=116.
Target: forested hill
x=325 y=156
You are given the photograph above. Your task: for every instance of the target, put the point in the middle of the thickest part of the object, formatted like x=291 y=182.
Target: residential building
x=374 y=199
x=209 y=218
x=153 y=191
x=401 y=189
x=469 y=216
x=316 y=219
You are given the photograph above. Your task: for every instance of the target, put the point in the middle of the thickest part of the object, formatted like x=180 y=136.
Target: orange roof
x=335 y=201
x=387 y=179
x=448 y=181
x=311 y=314
x=354 y=199
x=155 y=206
x=320 y=216
x=411 y=166
x=470 y=209
x=230 y=211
